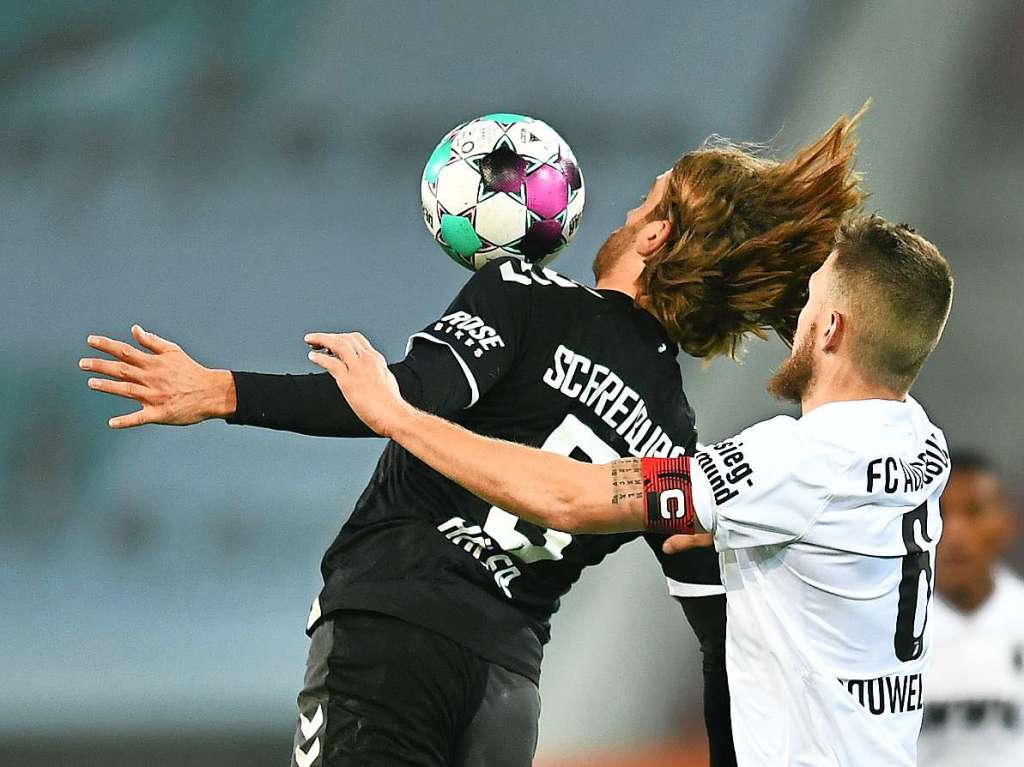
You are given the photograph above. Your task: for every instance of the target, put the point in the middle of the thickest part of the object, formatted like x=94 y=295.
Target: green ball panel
x=506 y=117
x=442 y=152
x=459 y=234
x=454 y=256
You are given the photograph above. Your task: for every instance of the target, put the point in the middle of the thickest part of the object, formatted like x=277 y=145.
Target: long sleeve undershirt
x=429 y=378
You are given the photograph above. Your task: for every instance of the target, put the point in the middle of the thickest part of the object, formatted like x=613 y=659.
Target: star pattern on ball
x=501 y=185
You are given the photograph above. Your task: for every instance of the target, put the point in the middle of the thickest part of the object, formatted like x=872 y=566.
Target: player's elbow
x=559 y=498
x=561 y=514
x=551 y=509
x=551 y=506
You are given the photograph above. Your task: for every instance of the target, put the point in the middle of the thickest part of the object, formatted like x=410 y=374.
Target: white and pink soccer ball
x=502 y=185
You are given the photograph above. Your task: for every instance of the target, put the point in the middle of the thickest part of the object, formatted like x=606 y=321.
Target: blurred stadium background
x=233 y=173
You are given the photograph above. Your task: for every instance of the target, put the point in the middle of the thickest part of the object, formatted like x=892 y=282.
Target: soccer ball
x=502 y=185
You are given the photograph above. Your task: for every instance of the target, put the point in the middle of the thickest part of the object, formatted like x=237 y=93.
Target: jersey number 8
x=571 y=438
x=913 y=609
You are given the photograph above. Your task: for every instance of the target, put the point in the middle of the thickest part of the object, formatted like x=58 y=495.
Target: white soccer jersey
x=826 y=527
x=975 y=710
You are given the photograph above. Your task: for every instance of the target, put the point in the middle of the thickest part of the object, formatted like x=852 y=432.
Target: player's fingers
x=679 y=543
x=359 y=341
x=138 y=418
x=152 y=341
x=318 y=339
x=346 y=349
x=125 y=389
x=321 y=342
x=339 y=344
x=365 y=347
x=332 y=365
x=120 y=370
x=119 y=349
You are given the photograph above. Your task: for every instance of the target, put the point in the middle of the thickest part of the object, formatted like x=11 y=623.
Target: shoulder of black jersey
x=514 y=272
x=497 y=271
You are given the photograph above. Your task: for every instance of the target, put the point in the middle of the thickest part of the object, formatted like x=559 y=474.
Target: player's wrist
x=221 y=400
x=404 y=422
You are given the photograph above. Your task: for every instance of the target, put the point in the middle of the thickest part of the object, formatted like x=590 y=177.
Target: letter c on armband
x=668 y=495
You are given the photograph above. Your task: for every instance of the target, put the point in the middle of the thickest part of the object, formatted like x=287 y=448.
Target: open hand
x=171 y=386
x=363 y=377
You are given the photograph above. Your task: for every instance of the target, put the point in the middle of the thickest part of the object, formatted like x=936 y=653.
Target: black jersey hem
x=432 y=606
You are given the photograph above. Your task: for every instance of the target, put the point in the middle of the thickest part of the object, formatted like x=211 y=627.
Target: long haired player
x=427 y=638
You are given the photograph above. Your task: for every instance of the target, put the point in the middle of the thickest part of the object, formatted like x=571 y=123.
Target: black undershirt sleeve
x=706 y=616
x=429 y=377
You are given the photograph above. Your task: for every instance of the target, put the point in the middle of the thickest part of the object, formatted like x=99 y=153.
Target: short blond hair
x=899 y=289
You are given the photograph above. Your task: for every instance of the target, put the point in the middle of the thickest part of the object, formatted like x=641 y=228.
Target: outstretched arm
x=429 y=377
x=174 y=389
x=450 y=364
x=546 y=489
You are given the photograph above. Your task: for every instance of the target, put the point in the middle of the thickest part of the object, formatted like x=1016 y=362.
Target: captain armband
x=668 y=496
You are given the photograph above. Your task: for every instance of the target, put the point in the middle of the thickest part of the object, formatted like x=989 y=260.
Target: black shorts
x=383 y=692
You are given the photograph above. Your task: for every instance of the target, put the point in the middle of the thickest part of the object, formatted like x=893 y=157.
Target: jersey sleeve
x=765 y=486
x=428 y=378
x=483 y=327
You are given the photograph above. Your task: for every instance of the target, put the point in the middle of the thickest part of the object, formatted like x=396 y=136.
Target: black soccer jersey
x=549 y=363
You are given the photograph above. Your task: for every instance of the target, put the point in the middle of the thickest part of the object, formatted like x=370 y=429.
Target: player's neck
x=972 y=594
x=618 y=281
x=843 y=383
x=621 y=274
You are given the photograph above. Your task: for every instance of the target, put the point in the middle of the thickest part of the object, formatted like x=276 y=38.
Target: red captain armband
x=668 y=495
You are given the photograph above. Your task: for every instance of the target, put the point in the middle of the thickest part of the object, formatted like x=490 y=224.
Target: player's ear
x=834 y=332
x=653 y=236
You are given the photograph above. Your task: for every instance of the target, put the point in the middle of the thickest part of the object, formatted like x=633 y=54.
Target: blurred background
x=234 y=173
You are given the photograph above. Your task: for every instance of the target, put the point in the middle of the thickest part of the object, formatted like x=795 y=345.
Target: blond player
x=826 y=525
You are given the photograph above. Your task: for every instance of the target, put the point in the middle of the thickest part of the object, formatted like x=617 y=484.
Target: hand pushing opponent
x=372 y=392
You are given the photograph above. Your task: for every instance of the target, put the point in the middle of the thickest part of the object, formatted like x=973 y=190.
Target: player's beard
x=608 y=255
x=795 y=375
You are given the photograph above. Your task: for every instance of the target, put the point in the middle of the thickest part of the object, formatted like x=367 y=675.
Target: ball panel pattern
x=503 y=170
x=500 y=220
x=457 y=187
x=502 y=185
x=459 y=233
x=541 y=240
x=547 y=191
x=438 y=159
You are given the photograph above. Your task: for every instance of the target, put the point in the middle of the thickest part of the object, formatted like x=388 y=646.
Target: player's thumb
x=331 y=364
x=679 y=543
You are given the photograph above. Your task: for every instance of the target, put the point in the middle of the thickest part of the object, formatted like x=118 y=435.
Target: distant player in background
x=427 y=638
x=974 y=714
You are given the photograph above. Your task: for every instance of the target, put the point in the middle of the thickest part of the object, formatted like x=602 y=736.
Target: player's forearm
x=549 y=490
x=429 y=378
x=303 y=404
